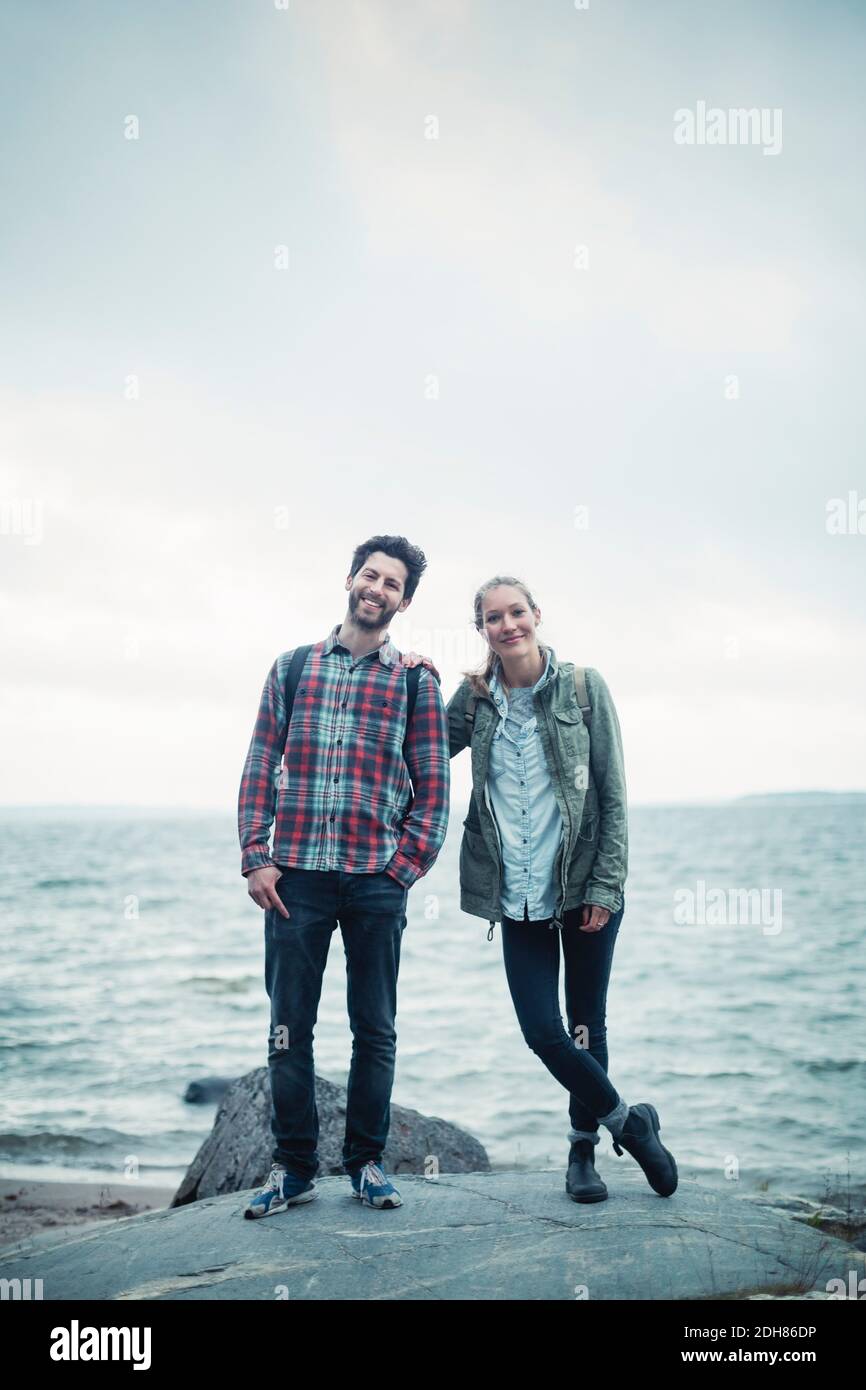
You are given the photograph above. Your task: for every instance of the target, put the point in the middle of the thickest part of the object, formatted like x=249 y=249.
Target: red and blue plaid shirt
x=343 y=798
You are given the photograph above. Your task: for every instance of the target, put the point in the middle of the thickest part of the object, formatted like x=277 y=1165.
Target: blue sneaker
x=374 y=1188
x=281 y=1190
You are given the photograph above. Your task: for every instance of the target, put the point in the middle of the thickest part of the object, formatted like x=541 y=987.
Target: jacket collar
x=389 y=655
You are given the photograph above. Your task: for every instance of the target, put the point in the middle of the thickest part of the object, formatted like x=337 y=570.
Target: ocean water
x=133 y=964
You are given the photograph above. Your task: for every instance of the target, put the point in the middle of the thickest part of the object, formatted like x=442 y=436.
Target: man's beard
x=364 y=617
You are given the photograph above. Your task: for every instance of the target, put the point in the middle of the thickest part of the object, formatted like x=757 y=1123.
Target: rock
x=237 y=1153
x=468 y=1236
x=849 y=1224
x=791 y=1297
x=207 y=1088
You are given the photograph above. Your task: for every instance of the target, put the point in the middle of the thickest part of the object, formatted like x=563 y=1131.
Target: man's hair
x=399 y=549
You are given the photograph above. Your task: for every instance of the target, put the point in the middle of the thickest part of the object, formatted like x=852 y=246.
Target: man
x=351 y=837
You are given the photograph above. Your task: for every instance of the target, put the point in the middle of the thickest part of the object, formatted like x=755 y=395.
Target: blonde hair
x=479 y=678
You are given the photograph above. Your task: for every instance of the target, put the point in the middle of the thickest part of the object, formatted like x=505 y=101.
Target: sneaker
x=374 y=1188
x=281 y=1190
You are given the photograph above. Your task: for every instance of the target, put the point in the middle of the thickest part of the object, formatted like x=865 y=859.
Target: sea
x=132 y=965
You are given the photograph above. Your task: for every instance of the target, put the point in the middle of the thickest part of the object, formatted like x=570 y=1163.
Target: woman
x=544 y=851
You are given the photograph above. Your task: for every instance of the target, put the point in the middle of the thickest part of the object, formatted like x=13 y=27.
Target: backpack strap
x=296 y=666
x=469 y=713
x=413 y=676
x=582 y=695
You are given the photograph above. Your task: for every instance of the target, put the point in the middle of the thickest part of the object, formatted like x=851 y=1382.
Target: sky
x=279 y=278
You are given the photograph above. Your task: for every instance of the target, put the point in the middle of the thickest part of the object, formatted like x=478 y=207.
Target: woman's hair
x=479 y=678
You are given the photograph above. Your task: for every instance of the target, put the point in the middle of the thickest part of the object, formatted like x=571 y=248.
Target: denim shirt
x=527 y=814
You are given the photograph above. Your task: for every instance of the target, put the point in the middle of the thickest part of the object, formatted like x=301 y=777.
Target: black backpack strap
x=413 y=676
x=296 y=666
x=469 y=713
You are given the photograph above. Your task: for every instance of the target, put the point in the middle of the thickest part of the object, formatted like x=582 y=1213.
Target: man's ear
x=349 y=581
x=403 y=604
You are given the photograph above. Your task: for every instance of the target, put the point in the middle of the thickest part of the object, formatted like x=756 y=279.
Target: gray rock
x=468 y=1236
x=848 y=1224
x=206 y=1089
x=237 y=1153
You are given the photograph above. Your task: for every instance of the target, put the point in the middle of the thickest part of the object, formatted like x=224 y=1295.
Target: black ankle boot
x=639 y=1135
x=582 y=1182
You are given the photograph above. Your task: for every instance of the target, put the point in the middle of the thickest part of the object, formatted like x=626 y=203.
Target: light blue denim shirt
x=527 y=814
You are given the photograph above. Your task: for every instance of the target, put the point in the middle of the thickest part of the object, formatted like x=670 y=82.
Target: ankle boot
x=639 y=1135
x=582 y=1182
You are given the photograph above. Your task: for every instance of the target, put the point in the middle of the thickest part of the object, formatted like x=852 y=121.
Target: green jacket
x=588 y=779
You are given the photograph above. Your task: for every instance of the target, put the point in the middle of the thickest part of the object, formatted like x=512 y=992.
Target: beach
x=31 y=1208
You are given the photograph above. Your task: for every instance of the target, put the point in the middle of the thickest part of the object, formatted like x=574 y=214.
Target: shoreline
x=32 y=1207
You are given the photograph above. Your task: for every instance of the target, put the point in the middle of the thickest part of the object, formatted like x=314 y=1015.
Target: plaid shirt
x=343 y=799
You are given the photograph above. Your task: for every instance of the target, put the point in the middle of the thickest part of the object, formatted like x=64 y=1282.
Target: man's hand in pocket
x=262 y=888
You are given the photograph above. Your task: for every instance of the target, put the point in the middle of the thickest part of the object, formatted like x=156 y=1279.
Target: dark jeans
x=371 y=912
x=531 y=955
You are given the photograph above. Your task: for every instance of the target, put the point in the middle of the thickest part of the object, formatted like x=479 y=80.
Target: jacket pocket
x=568 y=716
x=590 y=819
x=588 y=828
x=473 y=820
x=573 y=749
x=478 y=872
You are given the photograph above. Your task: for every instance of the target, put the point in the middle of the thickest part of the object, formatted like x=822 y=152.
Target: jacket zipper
x=556 y=923
x=489 y=806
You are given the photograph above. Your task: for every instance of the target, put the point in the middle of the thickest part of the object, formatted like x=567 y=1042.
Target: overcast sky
x=514 y=320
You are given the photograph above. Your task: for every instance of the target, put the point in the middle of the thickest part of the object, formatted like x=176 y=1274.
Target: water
x=749 y=1040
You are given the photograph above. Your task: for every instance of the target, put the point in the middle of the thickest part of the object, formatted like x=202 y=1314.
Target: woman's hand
x=593 y=917
x=412 y=659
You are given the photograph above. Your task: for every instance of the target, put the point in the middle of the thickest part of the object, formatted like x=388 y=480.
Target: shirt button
x=345 y=702
x=337 y=778
x=333 y=817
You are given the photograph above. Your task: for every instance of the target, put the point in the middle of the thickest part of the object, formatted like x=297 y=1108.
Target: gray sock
x=616 y=1119
x=591 y=1134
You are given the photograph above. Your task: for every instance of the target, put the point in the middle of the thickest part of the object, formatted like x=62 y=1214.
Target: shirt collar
x=389 y=655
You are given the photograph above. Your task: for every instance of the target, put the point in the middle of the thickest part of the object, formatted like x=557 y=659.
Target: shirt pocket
x=498 y=761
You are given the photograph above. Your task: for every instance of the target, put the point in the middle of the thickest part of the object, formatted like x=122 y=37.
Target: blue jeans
x=531 y=954
x=371 y=912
